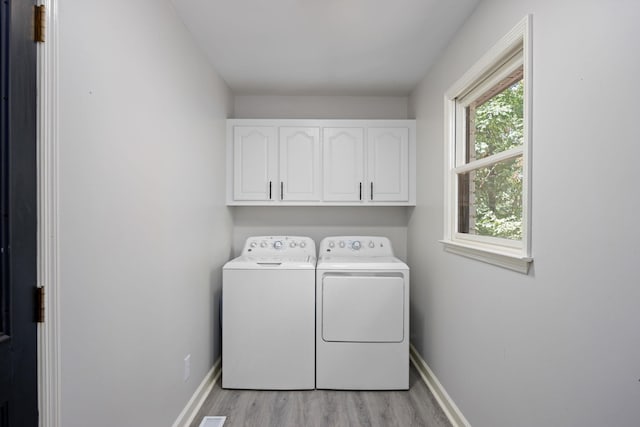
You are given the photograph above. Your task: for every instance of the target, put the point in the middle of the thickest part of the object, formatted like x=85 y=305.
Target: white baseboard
x=444 y=400
x=195 y=403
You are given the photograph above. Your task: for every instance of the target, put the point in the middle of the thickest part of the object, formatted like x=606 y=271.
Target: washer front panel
x=268 y=322
x=362 y=308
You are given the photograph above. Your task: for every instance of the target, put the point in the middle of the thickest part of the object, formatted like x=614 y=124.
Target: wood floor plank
x=325 y=408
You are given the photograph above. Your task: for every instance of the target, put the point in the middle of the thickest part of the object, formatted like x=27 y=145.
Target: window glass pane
x=495 y=119
x=490 y=200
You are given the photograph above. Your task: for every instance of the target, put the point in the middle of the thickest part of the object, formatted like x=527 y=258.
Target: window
x=487 y=171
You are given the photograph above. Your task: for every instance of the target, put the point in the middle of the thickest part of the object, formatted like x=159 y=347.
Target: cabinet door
x=343 y=150
x=388 y=164
x=254 y=163
x=299 y=164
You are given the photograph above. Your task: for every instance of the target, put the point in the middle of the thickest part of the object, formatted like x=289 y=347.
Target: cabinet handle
x=360 y=191
x=269 y=190
x=371 y=190
x=281 y=190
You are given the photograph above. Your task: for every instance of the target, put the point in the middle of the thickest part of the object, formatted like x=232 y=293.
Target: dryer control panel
x=280 y=246
x=366 y=246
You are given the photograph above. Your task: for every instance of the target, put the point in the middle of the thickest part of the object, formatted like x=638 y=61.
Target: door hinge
x=39 y=20
x=39 y=304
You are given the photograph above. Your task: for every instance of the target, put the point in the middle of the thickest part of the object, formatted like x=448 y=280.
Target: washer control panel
x=289 y=246
x=356 y=246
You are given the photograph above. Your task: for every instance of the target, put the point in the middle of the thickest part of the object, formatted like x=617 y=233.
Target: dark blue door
x=18 y=351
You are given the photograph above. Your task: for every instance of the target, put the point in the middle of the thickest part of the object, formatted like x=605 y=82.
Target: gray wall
x=559 y=347
x=319 y=222
x=320 y=107
x=144 y=230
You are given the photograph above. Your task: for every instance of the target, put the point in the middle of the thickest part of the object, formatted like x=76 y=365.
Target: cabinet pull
x=371 y=190
x=269 y=190
x=281 y=190
x=360 y=191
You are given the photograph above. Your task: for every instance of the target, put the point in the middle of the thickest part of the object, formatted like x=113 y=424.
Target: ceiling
x=323 y=47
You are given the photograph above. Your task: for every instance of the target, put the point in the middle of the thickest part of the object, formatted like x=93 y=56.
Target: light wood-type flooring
x=326 y=408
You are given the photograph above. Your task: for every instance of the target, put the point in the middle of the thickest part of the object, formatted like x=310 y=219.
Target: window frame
x=512 y=51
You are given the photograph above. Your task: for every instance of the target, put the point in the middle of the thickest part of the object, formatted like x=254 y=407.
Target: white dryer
x=268 y=315
x=362 y=315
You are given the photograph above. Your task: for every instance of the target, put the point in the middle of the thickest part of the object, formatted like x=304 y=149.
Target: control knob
x=263 y=244
x=292 y=245
x=332 y=244
x=277 y=244
x=371 y=244
x=356 y=245
x=253 y=244
x=303 y=244
x=341 y=244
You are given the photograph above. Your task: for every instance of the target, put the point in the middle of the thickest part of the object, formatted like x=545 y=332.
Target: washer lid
x=361 y=263
x=247 y=262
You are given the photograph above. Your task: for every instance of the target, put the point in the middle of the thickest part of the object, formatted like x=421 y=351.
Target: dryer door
x=361 y=308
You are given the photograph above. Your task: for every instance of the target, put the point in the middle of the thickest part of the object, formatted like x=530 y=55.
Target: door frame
x=49 y=389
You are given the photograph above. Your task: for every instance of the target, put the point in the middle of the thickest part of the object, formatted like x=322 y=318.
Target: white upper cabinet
x=300 y=164
x=321 y=162
x=388 y=164
x=254 y=163
x=343 y=168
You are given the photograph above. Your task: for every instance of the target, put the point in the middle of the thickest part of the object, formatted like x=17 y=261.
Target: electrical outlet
x=187 y=367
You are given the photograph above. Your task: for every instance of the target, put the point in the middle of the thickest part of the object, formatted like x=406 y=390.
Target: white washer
x=268 y=315
x=362 y=315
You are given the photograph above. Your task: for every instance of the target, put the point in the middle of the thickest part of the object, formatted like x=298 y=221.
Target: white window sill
x=502 y=258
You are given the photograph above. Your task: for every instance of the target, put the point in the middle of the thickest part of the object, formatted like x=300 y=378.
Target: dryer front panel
x=363 y=308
